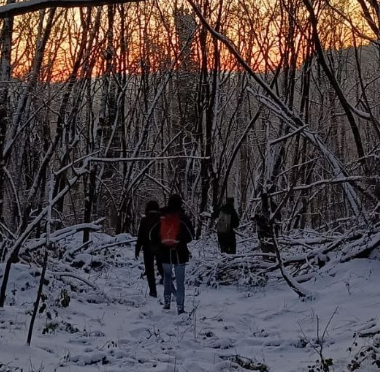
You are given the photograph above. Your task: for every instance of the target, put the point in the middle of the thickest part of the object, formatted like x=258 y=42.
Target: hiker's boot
x=181 y=310
x=167 y=302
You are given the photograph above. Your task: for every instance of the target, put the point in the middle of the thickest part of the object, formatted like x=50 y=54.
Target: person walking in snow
x=150 y=249
x=173 y=232
x=266 y=227
x=227 y=221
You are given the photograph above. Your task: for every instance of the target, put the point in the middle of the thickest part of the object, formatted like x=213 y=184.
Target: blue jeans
x=179 y=271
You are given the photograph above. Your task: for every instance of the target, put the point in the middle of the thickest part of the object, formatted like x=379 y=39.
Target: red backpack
x=169 y=229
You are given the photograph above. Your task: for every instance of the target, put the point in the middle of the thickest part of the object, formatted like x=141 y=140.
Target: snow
x=113 y=325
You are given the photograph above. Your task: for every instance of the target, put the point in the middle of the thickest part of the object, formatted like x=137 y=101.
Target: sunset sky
x=148 y=33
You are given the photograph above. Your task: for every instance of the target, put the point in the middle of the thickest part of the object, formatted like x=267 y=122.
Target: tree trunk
x=5 y=77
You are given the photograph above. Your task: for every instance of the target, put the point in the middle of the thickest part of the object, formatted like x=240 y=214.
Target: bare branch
x=16 y=9
x=146 y=158
x=294 y=121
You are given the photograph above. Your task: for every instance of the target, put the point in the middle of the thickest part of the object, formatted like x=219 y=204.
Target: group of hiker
x=163 y=236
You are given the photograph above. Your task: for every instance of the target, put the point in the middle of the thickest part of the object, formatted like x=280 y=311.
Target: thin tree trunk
x=15 y=249
x=292 y=119
x=343 y=101
x=37 y=302
x=5 y=76
x=22 y=114
x=62 y=120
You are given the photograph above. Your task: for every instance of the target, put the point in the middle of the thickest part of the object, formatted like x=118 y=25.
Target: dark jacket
x=178 y=254
x=143 y=236
x=229 y=209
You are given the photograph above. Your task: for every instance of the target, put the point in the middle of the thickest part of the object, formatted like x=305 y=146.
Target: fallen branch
x=62 y=234
x=109 y=245
x=243 y=270
x=75 y=276
x=361 y=247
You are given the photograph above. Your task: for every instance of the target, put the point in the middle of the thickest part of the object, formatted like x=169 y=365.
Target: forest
x=105 y=105
x=112 y=104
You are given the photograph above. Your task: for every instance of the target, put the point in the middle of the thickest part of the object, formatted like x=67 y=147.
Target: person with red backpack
x=173 y=232
x=150 y=249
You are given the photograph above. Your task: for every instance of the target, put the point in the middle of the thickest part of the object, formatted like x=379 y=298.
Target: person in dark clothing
x=265 y=227
x=264 y=233
x=172 y=234
x=227 y=221
x=150 y=250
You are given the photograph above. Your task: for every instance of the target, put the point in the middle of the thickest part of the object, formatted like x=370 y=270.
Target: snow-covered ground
x=115 y=326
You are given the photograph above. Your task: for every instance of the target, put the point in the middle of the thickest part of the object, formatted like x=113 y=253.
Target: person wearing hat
x=149 y=248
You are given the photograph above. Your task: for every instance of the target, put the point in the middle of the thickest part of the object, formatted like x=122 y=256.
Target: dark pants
x=267 y=246
x=149 y=257
x=227 y=242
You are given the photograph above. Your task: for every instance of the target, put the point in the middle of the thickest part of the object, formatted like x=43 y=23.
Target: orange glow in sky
x=146 y=35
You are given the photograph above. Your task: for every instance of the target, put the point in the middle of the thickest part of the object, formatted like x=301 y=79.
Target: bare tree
x=12 y=9
x=5 y=80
